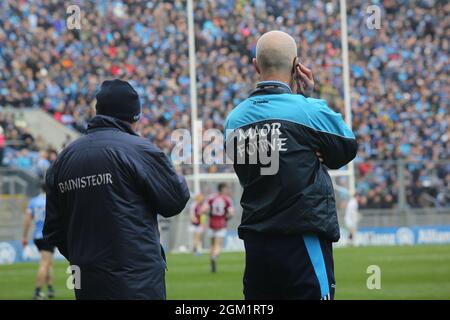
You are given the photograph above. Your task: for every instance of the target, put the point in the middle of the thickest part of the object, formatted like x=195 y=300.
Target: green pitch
x=420 y=272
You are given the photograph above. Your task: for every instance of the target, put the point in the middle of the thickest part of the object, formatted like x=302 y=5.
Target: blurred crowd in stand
x=399 y=76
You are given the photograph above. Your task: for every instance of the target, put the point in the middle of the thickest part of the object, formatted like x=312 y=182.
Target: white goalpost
x=346 y=76
x=193 y=98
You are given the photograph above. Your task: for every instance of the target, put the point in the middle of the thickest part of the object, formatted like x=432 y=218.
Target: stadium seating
x=398 y=75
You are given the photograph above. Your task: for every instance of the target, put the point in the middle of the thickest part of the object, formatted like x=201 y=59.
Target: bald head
x=275 y=53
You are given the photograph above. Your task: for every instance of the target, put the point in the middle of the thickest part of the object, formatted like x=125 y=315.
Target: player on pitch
x=36 y=212
x=289 y=218
x=198 y=210
x=351 y=219
x=221 y=210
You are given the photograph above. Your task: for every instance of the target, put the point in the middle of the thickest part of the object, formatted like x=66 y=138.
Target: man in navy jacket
x=105 y=191
x=289 y=218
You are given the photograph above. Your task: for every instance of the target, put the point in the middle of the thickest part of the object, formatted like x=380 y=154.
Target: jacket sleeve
x=332 y=137
x=167 y=189
x=54 y=231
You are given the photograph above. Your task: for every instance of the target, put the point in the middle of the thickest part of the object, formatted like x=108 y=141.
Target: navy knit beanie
x=118 y=99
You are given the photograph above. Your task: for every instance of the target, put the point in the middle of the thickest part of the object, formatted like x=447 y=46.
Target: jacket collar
x=270 y=87
x=104 y=122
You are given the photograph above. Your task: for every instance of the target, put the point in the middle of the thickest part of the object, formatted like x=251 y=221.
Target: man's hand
x=305 y=81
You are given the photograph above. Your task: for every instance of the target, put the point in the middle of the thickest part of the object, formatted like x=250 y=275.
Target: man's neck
x=271 y=82
x=271 y=77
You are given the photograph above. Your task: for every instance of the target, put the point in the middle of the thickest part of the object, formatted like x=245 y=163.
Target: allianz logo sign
x=7 y=253
x=401 y=236
x=433 y=236
x=405 y=236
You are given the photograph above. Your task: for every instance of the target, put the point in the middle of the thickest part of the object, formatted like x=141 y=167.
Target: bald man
x=282 y=143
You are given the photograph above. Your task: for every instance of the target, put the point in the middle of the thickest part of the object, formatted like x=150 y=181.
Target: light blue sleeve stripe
x=312 y=244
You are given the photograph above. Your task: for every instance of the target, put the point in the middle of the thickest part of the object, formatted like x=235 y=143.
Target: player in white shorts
x=352 y=218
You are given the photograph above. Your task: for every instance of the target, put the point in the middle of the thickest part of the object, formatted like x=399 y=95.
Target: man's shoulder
x=141 y=150
x=136 y=142
x=227 y=199
x=289 y=107
x=133 y=147
x=211 y=197
x=114 y=139
x=236 y=111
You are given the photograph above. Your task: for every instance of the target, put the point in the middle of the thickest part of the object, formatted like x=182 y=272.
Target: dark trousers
x=121 y=284
x=288 y=267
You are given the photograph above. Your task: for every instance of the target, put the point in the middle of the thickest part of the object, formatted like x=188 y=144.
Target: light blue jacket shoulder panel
x=309 y=112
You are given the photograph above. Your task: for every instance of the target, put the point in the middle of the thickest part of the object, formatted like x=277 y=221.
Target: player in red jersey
x=198 y=210
x=220 y=211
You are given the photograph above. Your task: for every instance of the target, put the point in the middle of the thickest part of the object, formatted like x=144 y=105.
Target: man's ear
x=256 y=66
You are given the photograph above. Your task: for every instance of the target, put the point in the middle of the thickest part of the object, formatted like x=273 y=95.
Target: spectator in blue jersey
x=36 y=212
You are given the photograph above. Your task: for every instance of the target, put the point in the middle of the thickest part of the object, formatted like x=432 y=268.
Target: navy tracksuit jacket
x=104 y=193
x=295 y=207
